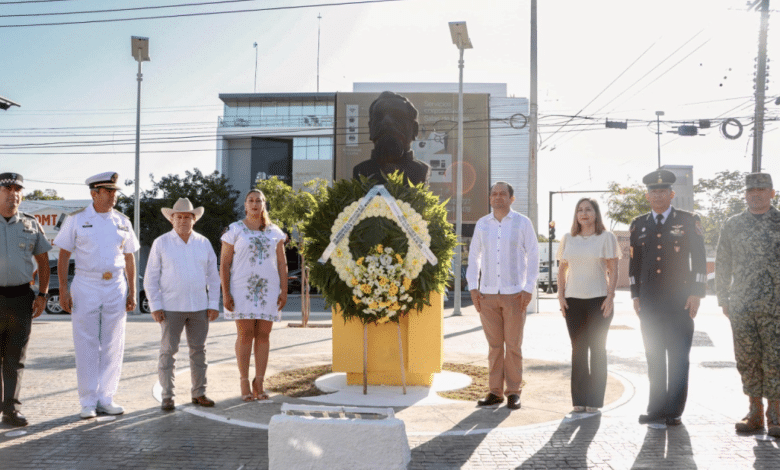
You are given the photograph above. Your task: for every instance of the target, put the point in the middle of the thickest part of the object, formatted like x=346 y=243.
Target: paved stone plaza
x=447 y=435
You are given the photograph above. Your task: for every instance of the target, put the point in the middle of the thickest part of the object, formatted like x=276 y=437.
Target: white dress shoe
x=88 y=412
x=110 y=409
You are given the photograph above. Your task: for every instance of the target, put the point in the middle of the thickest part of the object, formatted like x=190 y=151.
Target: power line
x=209 y=13
x=115 y=10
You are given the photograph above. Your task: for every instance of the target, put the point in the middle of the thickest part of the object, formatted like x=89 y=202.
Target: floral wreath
x=376 y=272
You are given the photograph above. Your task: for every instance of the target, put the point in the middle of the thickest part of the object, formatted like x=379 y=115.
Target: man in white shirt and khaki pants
x=182 y=285
x=502 y=272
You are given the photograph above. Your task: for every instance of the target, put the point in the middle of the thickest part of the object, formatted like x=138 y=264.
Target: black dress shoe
x=513 y=402
x=14 y=418
x=673 y=421
x=489 y=400
x=650 y=417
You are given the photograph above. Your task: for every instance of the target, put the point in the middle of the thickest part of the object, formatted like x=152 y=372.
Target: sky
x=601 y=59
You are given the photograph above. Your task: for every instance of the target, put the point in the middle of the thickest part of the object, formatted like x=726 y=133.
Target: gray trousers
x=197 y=326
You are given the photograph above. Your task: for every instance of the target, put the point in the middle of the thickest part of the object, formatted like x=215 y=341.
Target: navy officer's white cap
x=103 y=180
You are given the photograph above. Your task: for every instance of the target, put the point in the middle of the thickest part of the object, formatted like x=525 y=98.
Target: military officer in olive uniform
x=668 y=277
x=21 y=239
x=747 y=270
x=102 y=242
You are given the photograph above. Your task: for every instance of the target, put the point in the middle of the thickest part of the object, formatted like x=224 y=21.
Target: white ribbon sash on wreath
x=397 y=215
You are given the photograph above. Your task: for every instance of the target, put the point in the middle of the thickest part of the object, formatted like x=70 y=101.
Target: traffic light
x=552 y=230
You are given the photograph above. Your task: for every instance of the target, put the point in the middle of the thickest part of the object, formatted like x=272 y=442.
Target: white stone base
x=342 y=440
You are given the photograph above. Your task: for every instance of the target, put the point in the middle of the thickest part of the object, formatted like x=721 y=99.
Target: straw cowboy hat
x=182 y=205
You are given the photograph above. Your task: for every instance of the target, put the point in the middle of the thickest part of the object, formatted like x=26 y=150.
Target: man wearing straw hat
x=182 y=285
x=103 y=244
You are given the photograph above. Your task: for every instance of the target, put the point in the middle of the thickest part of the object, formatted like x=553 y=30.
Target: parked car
x=294 y=283
x=464 y=285
x=53 y=304
x=544 y=278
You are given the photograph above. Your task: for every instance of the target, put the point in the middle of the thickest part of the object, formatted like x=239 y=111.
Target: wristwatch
x=45 y=295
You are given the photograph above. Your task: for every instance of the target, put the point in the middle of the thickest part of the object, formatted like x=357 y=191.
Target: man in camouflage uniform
x=747 y=271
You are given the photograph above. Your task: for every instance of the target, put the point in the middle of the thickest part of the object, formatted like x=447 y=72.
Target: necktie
x=659 y=220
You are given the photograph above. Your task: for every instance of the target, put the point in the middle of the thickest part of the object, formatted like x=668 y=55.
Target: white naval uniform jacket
x=98 y=242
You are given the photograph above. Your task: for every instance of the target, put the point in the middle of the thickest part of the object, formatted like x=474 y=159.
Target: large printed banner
x=436 y=144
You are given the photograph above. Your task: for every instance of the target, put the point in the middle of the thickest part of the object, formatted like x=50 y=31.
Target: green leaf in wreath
x=375 y=231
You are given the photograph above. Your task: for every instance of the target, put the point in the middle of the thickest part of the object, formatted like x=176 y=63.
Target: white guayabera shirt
x=504 y=256
x=182 y=277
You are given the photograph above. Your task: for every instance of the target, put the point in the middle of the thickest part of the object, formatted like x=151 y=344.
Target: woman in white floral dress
x=254 y=287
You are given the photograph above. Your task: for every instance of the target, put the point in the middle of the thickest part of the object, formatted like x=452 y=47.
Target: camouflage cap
x=758 y=181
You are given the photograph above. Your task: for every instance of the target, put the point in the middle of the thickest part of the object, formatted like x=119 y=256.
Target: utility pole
x=758 y=136
x=319 y=23
x=532 y=139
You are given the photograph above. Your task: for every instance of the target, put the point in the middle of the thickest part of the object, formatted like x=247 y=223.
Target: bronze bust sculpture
x=392 y=127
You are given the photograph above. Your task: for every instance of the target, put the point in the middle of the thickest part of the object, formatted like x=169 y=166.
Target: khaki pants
x=503 y=322
x=197 y=325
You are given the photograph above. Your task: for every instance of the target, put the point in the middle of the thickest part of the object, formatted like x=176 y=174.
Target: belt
x=14 y=291
x=105 y=276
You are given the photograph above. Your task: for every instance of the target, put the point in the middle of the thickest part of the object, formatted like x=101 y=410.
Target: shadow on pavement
x=666 y=448
x=457 y=452
x=144 y=439
x=568 y=446
x=766 y=455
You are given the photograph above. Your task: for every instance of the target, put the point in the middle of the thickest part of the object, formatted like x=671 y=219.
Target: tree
x=212 y=191
x=290 y=209
x=625 y=203
x=724 y=198
x=45 y=195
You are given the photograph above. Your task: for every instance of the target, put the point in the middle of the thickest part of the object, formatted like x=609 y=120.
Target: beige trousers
x=503 y=322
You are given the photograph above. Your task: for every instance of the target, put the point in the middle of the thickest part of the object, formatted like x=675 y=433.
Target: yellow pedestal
x=422 y=337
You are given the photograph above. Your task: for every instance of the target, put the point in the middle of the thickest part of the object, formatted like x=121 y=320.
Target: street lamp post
x=254 y=90
x=460 y=37
x=658 y=115
x=140 y=50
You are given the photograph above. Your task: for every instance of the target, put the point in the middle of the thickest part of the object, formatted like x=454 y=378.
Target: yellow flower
x=398 y=257
x=395 y=307
x=393 y=289
x=356 y=300
x=407 y=283
x=360 y=261
x=365 y=288
x=384 y=304
x=383 y=281
x=380 y=249
x=353 y=281
x=383 y=320
x=372 y=305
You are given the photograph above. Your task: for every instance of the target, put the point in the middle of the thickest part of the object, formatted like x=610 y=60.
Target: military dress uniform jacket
x=747 y=266
x=21 y=238
x=668 y=264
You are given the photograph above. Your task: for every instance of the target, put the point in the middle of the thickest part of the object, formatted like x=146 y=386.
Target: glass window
x=299 y=151
x=307 y=108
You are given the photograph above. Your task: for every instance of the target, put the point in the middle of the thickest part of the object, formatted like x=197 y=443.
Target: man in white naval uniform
x=102 y=242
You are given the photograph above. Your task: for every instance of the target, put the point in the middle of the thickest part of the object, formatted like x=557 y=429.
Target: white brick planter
x=337 y=437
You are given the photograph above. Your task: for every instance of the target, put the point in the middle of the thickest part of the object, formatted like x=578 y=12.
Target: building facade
x=294 y=136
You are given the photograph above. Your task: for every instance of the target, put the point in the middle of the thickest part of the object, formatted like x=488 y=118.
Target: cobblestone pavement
x=145 y=438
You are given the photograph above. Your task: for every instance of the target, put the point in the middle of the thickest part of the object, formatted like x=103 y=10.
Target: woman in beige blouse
x=587 y=278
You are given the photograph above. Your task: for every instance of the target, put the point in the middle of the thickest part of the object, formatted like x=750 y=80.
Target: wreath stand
x=416 y=342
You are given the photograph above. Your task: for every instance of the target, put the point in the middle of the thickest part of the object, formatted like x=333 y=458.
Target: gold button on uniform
x=107 y=276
